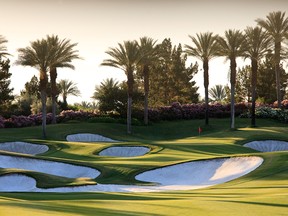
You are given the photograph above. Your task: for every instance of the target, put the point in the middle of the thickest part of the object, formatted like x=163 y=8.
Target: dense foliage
x=6 y=95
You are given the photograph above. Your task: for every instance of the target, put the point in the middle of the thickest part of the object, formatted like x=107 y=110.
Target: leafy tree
x=232 y=45
x=171 y=80
x=276 y=24
x=126 y=58
x=28 y=96
x=149 y=56
x=205 y=47
x=67 y=88
x=243 y=84
x=6 y=95
x=257 y=45
x=38 y=55
x=217 y=93
x=266 y=82
x=63 y=54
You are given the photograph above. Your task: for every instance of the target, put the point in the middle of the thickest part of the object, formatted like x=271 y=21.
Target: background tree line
x=157 y=73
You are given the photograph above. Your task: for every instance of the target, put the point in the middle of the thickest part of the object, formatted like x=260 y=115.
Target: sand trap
x=268 y=145
x=124 y=151
x=185 y=176
x=49 y=167
x=87 y=137
x=23 y=147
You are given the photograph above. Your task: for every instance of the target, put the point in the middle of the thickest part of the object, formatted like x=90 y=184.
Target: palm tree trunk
x=53 y=76
x=254 y=83
x=277 y=72
x=130 y=82
x=233 y=66
x=146 y=93
x=43 y=87
x=65 y=104
x=206 y=85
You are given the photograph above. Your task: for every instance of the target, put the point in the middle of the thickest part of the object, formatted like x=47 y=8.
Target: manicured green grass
x=262 y=192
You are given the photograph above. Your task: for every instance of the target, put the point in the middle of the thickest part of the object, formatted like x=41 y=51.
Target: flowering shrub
x=2 y=120
x=194 y=111
x=67 y=115
x=174 y=112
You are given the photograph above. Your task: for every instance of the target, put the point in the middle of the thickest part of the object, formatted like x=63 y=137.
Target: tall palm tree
x=276 y=24
x=3 y=48
x=66 y=88
x=232 y=45
x=38 y=55
x=205 y=48
x=64 y=53
x=126 y=58
x=217 y=93
x=258 y=43
x=149 y=56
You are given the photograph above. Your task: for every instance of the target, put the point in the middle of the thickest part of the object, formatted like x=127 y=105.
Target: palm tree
x=217 y=93
x=205 y=48
x=125 y=57
x=3 y=48
x=232 y=46
x=276 y=24
x=258 y=43
x=149 y=55
x=64 y=53
x=38 y=55
x=66 y=88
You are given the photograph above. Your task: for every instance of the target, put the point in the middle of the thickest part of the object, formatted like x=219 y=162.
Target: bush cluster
x=267 y=112
x=166 y=113
x=194 y=111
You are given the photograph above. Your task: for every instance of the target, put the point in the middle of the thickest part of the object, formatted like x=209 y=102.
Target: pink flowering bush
x=68 y=115
x=194 y=111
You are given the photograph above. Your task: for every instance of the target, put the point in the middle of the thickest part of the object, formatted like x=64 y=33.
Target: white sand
x=268 y=145
x=185 y=176
x=49 y=167
x=124 y=151
x=87 y=137
x=23 y=147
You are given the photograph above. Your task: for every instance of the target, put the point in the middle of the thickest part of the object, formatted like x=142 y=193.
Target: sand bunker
x=268 y=145
x=23 y=147
x=49 y=167
x=124 y=151
x=87 y=137
x=185 y=176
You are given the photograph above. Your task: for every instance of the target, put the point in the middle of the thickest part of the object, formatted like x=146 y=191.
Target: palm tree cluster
x=253 y=43
x=139 y=57
x=128 y=57
x=47 y=55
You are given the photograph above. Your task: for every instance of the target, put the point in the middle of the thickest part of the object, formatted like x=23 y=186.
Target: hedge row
x=174 y=112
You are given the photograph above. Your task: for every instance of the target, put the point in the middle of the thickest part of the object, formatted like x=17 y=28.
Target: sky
x=97 y=25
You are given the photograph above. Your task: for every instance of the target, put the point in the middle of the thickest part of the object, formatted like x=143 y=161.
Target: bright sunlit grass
x=261 y=192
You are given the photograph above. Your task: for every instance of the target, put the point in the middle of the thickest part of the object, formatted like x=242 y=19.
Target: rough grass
x=262 y=192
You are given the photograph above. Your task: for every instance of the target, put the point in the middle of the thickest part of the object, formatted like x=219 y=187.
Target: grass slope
x=262 y=192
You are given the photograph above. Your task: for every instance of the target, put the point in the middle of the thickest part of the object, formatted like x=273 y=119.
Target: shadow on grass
x=75 y=209
x=257 y=203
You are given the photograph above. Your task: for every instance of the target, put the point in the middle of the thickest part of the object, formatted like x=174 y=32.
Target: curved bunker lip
x=49 y=167
x=185 y=176
x=124 y=151
x=268 y=145
x=88 y=137
x=24 y=148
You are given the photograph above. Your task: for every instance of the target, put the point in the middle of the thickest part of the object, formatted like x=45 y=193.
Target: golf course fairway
x=261 y=191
